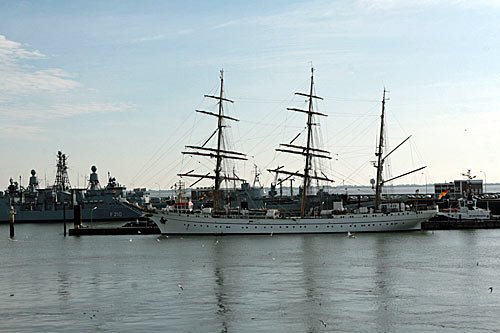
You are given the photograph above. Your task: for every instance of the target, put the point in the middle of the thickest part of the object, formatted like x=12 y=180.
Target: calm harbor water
x=385 y=282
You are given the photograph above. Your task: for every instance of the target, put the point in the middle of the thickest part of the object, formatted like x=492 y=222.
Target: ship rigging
x=219 y=153
x=309 y=151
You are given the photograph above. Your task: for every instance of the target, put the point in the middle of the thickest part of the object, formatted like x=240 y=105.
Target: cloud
x=163 y=36
x=19 y=79
x=10 y=51
x=15 y=131
x=341 y=18
x=31 y=97
x=39 y=113
x=19 y=82
x=313 y=15
x=398 y=4
x=69 y=110
x=32 y=122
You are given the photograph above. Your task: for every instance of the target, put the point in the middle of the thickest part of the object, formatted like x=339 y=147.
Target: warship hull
x=107 y=212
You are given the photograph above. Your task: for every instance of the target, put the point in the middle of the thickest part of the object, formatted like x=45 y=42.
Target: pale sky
x=116 y=83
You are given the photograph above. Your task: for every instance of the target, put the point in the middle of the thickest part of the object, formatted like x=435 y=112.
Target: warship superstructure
x=54 y=203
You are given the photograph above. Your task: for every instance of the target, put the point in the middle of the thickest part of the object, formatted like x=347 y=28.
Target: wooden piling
x=77 y=216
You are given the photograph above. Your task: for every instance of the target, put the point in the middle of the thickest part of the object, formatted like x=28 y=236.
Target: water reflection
x=64 y=285
x=383 y=279
x=220 y=293
x=376 y=282
x=312 y=266
x=222 y=307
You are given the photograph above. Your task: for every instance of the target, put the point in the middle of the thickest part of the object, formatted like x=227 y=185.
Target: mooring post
x=77 y=216
x=12 y=212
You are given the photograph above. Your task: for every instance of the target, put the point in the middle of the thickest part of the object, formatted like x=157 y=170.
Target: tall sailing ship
x=221 y=219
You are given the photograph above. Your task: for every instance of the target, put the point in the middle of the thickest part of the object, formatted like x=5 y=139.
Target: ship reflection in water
x=376 y=282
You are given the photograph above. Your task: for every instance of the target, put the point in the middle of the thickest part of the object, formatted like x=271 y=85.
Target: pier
x=114 y=231
x=130 y=228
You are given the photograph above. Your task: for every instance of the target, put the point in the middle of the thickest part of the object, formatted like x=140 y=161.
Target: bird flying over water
x=490 y=289
x=323 y=322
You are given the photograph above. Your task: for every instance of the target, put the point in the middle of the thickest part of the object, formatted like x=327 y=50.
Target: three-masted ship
x=220 y=219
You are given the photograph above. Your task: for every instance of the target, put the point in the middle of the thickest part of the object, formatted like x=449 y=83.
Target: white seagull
x=349 y=235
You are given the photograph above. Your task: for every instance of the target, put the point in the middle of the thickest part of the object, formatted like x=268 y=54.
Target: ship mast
x=379 y=182
x=380 y=160
x=308 y=150
x=218 y=152
x=62 y=179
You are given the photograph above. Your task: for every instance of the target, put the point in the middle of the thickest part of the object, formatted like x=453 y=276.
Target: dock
x=114 y=231
x=131 y=228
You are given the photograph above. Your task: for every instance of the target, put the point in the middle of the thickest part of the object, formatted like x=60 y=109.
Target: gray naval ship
x=53 y=204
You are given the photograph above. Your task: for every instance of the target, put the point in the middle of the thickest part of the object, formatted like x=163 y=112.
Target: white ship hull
x=467 y=211
x=171 y=223
x=477 y=214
